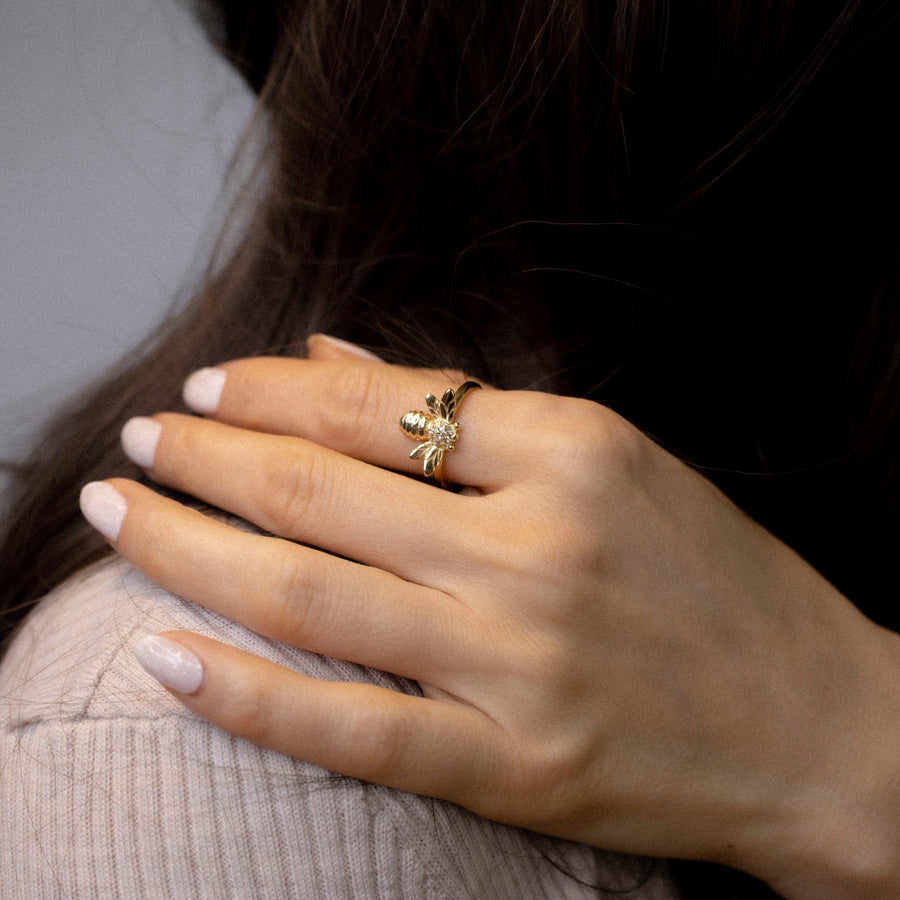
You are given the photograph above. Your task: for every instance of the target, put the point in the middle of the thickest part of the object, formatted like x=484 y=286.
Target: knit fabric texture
x=110 y=788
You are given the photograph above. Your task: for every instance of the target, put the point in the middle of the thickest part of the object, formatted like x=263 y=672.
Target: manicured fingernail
x=171 y=664
x=203 y=389
x=104 y=507
x=344 y=347
x=139 y=439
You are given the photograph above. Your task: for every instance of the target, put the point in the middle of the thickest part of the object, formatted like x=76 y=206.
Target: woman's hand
x=608 y=649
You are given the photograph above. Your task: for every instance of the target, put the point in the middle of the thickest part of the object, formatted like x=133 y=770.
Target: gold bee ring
x=437 y=429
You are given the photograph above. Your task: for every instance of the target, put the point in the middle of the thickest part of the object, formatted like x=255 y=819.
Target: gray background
x=117 y=123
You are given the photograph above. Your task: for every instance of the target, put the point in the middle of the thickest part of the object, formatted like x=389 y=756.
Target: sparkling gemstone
x=442 y=433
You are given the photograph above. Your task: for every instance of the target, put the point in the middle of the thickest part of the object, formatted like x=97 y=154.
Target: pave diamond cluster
x=442 y=433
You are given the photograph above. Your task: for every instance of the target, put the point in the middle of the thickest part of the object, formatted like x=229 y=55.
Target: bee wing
x=433 y=459
x=436 y=407
x=422 y=450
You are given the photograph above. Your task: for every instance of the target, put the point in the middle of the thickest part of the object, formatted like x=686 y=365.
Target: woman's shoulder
x=112 y=788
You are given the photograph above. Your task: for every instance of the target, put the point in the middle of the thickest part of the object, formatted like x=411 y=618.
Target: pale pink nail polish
x=171 y=664
x=203 y=389
x=139 y=439
x=104 y=508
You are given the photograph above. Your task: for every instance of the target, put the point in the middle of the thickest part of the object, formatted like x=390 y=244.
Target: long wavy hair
x=685 y=211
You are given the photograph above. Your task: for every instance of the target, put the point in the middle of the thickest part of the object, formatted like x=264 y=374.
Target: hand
x=608 y=649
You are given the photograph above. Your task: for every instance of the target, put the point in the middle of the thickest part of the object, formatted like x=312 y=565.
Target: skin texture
x=609 y=650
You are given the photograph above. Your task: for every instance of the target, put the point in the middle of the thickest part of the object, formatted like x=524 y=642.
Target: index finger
x=355 y=408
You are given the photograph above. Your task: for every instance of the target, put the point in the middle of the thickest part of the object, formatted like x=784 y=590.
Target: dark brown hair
x=686 y=211
x=467 y=183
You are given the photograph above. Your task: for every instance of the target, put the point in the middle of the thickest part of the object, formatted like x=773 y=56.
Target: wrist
x=839 y=834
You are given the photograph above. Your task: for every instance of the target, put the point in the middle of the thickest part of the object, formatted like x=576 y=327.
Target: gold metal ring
x=437 y=429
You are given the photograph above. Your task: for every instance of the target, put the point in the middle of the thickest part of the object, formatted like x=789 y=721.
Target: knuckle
x=304 y=603
x=591 y=447
x=249 y=716
x=548 y=538
x=389 y=764
x=507 y=787
x=612 y=445
x=296 y=489
x=386 y=741
x=538 y=774
x=287 y=609
x=559 y=769
x=353 y=407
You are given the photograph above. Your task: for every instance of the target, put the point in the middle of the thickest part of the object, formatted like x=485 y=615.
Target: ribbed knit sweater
x=110 y=788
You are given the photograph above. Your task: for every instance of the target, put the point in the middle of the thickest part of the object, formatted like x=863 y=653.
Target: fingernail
x=104 y=507
x=203 y=389
x=343 y=348
x=171 y=664
x=139 y=439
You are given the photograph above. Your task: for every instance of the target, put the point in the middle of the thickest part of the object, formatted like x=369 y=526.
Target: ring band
x=437 y=429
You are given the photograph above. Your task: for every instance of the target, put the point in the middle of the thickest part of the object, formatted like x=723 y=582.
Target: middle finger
x=302 y=491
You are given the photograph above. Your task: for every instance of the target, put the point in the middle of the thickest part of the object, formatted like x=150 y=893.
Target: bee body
x=414 y=425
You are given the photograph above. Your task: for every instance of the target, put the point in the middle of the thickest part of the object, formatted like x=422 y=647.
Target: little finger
x=425 y=746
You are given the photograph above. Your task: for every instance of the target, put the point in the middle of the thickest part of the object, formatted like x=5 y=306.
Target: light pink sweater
x=110 y=789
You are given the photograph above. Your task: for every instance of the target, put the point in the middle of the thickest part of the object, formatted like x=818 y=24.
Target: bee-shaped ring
x=437 y=429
